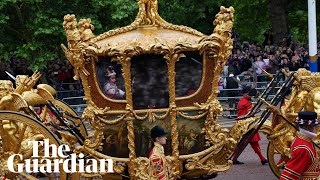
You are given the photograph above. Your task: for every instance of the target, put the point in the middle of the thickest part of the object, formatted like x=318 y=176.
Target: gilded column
x=171 y=60
x=126 y=66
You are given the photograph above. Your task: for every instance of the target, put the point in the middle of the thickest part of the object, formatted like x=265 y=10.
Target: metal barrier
x=74 y=101
x=229 y=104
x=66 y=94
x=79 y=108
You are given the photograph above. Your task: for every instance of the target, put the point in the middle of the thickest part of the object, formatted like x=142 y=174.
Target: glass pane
x=188 y=74
x=109 y=76
x=149 y=76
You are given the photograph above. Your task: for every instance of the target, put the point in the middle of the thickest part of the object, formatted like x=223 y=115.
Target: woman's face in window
x=112 y=79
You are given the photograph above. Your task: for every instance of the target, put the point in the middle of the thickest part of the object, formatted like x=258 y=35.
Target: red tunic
x=158 y=163
x=51 y=116
x=244 y=106
x=111 y=96
x=304 y=161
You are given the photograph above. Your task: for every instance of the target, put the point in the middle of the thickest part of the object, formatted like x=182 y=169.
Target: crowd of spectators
x=250 y=60
x=247 y=56
x=58 y=74
x=246 y=59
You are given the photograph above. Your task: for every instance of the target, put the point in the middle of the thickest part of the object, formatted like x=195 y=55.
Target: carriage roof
x=148 y=34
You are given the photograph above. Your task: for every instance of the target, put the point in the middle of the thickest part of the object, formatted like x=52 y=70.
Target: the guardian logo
x=53 y=157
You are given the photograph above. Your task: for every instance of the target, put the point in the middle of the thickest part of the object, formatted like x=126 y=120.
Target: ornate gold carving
x=85 y=29
x=143 y=170
x=45 y=94
x=20 y=79
x=152 y=116
x=72 y=33
x=118 y=163
x=25 y=83
x=195 y=117
x=74 y=54
x=266 y=127
x=6 y=87
x=147 y=16
x=224 y=21
x=131 y=146
x=96 y=144
x=33 y=98
x=151 y=8
x=309 y=83
x=16 y=130
x=241 y=127
x=48 y=88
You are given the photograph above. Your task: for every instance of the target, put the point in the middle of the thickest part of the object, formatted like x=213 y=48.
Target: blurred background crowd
x=289 y=55
x=247 y=58
x=58 y=74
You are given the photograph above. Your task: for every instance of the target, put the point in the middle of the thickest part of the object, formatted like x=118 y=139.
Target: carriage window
x=149 y=76
x=188 y=74
x=109 y=76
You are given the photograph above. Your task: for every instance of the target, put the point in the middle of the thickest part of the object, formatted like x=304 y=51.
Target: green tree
x=254 y=17
x=32 y=29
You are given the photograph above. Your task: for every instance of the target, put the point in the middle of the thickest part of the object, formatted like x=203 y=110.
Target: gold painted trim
x=313 y=58
x=162 y=110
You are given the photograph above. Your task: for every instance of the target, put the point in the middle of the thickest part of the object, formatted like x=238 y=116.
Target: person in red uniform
x=156 y=156
x=47 y=119
x=244 y=107
x=304 y=163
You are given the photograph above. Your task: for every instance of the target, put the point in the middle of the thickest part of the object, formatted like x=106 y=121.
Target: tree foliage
x=32 y=29
x=253 y=18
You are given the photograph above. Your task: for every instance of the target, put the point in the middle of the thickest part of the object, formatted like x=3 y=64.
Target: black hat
x=157 y=131
x=307 y=118
x=253 y=92
x=245 y=89
x=249 y=90
x=288 y=92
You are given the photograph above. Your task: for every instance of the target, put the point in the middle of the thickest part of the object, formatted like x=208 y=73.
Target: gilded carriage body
x=122 y=119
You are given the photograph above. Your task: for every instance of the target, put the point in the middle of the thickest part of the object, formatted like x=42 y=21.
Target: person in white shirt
x=260 y=64
x=110 y=89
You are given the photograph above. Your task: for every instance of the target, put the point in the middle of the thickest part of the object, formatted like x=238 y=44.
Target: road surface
x=252 y=169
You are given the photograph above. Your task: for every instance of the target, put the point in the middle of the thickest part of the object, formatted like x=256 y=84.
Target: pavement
x=252 y=169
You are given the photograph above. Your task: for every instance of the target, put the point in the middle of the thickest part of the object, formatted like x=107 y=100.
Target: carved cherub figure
x=224 y=20
x=6 y=87
x=151 y=7
x=85 y=29
x=72 y=33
